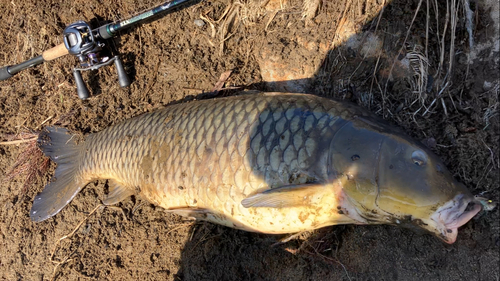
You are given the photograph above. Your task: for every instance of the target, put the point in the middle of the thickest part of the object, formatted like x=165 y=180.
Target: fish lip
x=452 y=215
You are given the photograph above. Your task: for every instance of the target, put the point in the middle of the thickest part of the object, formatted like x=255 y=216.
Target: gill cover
x=355 y=160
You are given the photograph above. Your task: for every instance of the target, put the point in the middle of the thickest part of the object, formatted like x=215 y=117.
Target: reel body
x=92 y=54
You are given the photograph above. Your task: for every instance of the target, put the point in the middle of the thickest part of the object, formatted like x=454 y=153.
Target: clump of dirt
x=390 y=59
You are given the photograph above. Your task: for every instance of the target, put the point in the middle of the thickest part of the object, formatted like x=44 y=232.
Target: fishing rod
x=89 y=46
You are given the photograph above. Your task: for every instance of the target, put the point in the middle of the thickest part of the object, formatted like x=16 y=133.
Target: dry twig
x=68 y=258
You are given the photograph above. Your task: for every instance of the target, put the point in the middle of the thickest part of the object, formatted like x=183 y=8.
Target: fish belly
x=203 y=158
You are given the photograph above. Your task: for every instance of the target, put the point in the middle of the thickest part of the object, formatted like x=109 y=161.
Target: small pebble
x=86 y=230
x=429 y=142
x=199 y=22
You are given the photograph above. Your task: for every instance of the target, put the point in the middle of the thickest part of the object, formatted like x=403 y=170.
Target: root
x=31 y=163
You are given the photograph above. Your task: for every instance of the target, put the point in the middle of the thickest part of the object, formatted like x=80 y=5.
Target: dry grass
x=69 y=257
x=431 y=94
x=492 y=110
x=310 y=8
x=31 y=163
x=248 y=13
x=223 y=28
x=424 y=63
x=322 y=243
x=419 y=64
x=252 y=11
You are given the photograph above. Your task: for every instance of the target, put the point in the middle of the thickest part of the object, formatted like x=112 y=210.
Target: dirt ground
x=392 y=61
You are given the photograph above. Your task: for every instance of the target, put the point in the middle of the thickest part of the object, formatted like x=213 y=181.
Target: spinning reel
x=81 y=42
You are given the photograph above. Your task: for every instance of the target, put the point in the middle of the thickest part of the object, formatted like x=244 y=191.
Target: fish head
x=417 y=189
x=388 y=178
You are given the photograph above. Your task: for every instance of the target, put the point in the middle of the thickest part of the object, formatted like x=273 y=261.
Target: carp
x=263 y=162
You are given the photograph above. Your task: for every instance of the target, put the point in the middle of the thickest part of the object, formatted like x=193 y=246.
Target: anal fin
x=117 y=192
x=194 y=213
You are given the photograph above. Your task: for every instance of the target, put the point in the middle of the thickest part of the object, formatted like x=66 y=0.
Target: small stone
x=487 y=86
x=429 y=142
x=199 y=23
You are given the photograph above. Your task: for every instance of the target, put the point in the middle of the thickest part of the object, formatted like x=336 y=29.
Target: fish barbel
x=263 y=162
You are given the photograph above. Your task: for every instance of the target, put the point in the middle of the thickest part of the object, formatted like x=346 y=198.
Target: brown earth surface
x=353 y=50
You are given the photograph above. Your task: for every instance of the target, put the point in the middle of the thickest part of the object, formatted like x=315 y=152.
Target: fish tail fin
x=59 y=145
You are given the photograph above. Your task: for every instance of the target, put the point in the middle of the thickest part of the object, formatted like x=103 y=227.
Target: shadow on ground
x=369 y=68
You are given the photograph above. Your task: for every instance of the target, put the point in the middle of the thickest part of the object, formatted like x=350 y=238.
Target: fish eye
x=418 y=157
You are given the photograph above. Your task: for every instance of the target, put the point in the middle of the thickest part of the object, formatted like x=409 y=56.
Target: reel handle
x=123 y=79
x=81 y=88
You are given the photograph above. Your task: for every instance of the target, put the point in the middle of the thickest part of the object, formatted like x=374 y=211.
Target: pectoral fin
x=117 y=193
x=286 y=196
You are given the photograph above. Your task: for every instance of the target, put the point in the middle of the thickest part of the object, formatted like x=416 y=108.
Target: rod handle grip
x=4 y=73
x=55 y=52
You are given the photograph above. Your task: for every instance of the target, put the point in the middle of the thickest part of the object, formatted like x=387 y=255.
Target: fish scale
x=264 y=162
x=226 y=126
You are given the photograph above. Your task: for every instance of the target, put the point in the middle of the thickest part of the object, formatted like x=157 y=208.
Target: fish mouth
x=452 y=215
